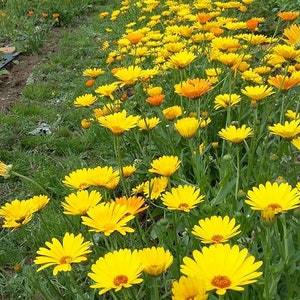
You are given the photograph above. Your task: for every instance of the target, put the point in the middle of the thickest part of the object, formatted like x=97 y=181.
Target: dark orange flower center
x=65 y=260
x=221 y=281
x=183 y=206
x=120 y=279
x=217 y=238
x=275 y=206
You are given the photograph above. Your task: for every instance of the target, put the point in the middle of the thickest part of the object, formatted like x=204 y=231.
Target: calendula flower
x=288 y=52
x=288 y=130
x=189 y=288
x=252 y=24
x=134 y=37
x=229 y=44
x=172 y=112
x=85 y=123
x=105 y=177
x=257 y=93
x=181 y=59
x=107 y=90
x=155 y=100
x=155 y=260
x=283 y=82
x=39 y=202
x=81 y=202
x=79 y=179
x=292 y=115
x=273 y=198
x=118 y=122
x=216 y=229
x=165 y=165
x=292 y=35
x=222 y=267
x=183 y=197
x=203 y=17
x=17 y=213
x=193 y=88
x=85 y=100
x=148 y=123
x=187 y=127
x=128 y=170
x=155 y=187
x=5 y=169
x=288 y=15
x=73 y=249
x=129 y=75
x=134 y=204
x=108 y=218
x=296 y=142
x=224 y=100
x=234 y=134
x=93 y=72
x=116 y=270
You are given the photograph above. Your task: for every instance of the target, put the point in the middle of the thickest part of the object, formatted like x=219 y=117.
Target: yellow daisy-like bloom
x=229 y=44
x=148 y=123
x=79 y=179
x=288 y=130
x=105 y=177
x=134 y=37
x=73 y=249
x=85 y=100
x=129 y=75
x=5 y=169
x=222 y=267
x=229 y=59
x=183 y=197
x=234 y=134
x=39 y=202
x=296 y=142
x=172 y=112
x=165 y=165
x=292 y=35
x=118 y=122
x=154 y=91
x=134 y=204
x=283 y=82
x=116 y=270
x=93 y=72
x=107 y=90
x=108 y=218
x=288 y=15
x=81 y=202
x=223 y=100
x=250 y=75
x=181 y=59
x=272 y=199
x=155 y=187
x=128 y=170
x=17 y=213
x=187 y=127
x=288 y=52
x=216 y=229
x=193 y=88
x=189 y=288
x=155 y=260
x=292 y=115
x=257 y=93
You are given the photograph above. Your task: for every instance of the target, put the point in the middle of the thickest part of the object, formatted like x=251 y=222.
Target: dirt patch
x=11 y=85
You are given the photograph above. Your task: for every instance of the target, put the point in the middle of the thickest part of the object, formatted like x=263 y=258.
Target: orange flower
x=134 y=37
x=217 y=31
x=193 y=88
x=155 y=100
x=85 y=123
x=55 y=15
x=30 y=12
x=90 y=82
x=288 y=15
x=252 y=24
x=203 y=17
x=283 y=82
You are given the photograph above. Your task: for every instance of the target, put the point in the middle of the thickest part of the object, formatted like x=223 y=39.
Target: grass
x=224 y=174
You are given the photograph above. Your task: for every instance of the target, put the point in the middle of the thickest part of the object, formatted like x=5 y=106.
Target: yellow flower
x=79 y=179
x=105 y=177
x=85 y=100
x=148 y=123
x=189 y=288
x=292 y=115
x=234 y=134
x=257 y=93
x=296 y=142
x=108 y=218
x=81 y=202
x=116 y=270
x=229 y=44
x=107 y=90
x=216 y=229
x=128 y=170
x=155 y=260
x=165 y=165
x=223 y=100
x=62 y=255
x=17 y=213
x=181 y=59
x=292 y=35
x=134 y=204
x=183 y=197
x=5 y=169
x=93 y=72
x=172 y=112
x=187 y=127
x=283 y=82
x=273 y=198
x=193 y=88
x=155 y=187
x=129 y=75
x=288 y=52
x=288 y=131
x=118 y=122
x=250 y=75
x=222 y=267
x=154 y=91
x=39 y=202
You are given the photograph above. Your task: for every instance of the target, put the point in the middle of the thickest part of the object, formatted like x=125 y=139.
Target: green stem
x=75 y=284
x=238 y=170
x=267 y=263
x=155 y=289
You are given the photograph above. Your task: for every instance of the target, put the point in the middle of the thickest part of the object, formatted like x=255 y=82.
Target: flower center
x=221 y=281
x=65 y=260
x=217 y=238
x=276 y=207
x=183 y=206
x=120 y=279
